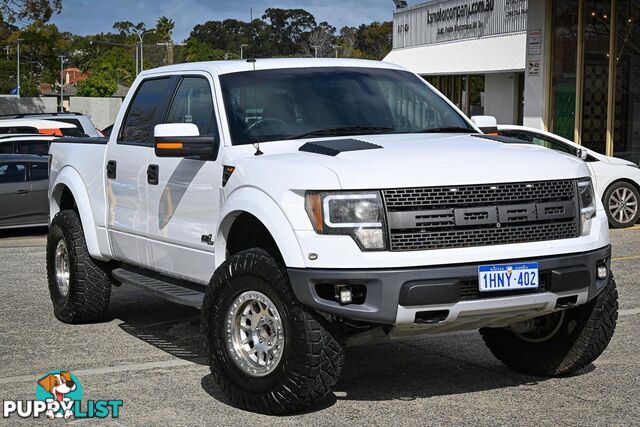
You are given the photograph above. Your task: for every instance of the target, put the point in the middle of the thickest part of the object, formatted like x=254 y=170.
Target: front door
x=183 y=204
x=126 y=173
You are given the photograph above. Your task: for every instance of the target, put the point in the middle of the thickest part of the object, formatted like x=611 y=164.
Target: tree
x=288 y=28
x=29 y=10
x=199 y=51
x=375 y=39
x=164 y=30
x=321 y=40
x=7 y=76
x=98 y=84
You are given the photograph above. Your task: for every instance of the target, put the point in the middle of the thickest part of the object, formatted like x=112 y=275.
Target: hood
x=414 y=160
x=618 y=161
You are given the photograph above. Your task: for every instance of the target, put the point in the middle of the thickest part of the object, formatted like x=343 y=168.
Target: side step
x=170 y=289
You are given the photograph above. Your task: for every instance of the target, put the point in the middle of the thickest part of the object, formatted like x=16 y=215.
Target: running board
x=169 y=289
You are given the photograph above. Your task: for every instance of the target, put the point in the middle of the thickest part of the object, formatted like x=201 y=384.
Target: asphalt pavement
x=148 y=353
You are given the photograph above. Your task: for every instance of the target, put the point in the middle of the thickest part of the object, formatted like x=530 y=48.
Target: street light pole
x=61 y=107
x=242 y=46
x=18 y=62
x=141 y=37
x=137 y=62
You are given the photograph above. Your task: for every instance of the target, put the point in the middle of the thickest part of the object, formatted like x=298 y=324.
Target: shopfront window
x=627 y=109
x=565 y=46
x=597 y=24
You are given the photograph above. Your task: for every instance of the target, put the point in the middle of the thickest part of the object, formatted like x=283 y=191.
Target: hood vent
x=336 y=146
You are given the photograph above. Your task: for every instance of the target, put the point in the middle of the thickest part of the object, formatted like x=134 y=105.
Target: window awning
x=472 y=56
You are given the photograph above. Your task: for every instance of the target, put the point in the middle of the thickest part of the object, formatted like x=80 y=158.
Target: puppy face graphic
x=58 y=385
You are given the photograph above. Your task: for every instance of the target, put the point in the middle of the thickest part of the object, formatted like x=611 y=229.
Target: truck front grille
x=481 y=215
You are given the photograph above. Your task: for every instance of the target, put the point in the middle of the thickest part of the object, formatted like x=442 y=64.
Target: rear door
x=184 y=203
x=14 y=193
x=126 y=163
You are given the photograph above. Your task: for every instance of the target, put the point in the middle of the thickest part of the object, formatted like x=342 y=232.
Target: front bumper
x=446 y=293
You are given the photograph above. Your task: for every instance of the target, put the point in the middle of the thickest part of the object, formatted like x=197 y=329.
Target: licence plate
x=505 y=277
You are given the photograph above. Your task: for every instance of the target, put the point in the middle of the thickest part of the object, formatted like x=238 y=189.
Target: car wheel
x=559 y=343
x=621 y=203
x=268 y=352
x=79 y=286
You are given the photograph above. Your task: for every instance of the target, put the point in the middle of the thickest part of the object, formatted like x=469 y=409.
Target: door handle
x=22 y=191
x=112 y=166
x=153 y=173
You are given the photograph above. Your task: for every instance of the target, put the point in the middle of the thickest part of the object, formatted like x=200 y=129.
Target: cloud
x=85 y=17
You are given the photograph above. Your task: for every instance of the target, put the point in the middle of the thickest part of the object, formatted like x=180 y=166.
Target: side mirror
x=487 y=124
x=184 y=140
x=583 y=154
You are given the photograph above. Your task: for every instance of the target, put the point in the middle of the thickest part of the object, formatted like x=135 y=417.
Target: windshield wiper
x=344 y=130
x=445 y=129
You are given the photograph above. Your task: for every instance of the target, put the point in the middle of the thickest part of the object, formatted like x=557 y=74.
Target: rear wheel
x=79 y=286
x=268 y=352
x=559 y=343
x=621 y=202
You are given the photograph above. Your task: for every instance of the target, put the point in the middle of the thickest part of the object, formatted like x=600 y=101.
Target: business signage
x=451 y=20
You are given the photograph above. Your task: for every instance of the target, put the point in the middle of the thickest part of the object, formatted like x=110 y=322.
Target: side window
x=12 y=172
x=193 y=103
x=138 y=122
x=39 y=171
x=32 y=147
x=6 y=147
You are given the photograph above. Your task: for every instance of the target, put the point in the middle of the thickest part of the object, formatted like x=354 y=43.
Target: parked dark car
x=23 y=190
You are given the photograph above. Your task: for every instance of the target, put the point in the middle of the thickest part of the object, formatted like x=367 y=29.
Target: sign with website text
x=457 y=20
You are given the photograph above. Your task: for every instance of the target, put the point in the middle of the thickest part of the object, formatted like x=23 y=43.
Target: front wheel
x=621 y=202
x=268 y=352
x=559 y=343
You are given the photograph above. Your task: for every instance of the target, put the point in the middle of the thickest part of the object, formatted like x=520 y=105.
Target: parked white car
x=36 y=126
x=79 y=120
x=617 y=181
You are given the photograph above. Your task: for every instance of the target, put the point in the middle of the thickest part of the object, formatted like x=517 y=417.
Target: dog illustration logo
x=61 y=387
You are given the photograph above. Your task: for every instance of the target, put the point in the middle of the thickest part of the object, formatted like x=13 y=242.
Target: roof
x=23 y=158
x=233 y=66
x=39 y=115
x=36 y=123
x=505 y=53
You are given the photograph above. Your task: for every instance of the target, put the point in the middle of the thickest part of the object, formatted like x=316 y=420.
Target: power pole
x=7 y=49
x=61 y=107
x=137 y=63
x=18 y=62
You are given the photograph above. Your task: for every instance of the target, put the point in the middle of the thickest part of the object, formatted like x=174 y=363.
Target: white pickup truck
x=308 y=204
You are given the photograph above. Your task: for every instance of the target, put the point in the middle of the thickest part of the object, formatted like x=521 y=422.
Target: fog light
x=343 y=294
x=603 y=272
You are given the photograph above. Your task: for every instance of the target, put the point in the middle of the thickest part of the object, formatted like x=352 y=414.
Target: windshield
x=270 y=105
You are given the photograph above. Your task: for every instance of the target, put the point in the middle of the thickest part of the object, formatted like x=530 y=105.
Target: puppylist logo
x=59 y=395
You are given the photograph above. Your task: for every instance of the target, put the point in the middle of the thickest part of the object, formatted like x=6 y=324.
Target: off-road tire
x=89 y=279
x=635 y=196
x=583 y=335
x=313 y=353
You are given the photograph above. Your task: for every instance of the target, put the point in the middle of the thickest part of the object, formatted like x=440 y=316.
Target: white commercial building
x=542 y=63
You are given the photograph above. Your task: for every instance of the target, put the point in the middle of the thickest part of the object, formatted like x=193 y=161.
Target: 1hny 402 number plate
x=504 y=277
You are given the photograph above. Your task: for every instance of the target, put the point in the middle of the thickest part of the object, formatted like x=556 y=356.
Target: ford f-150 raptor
x=304 y=204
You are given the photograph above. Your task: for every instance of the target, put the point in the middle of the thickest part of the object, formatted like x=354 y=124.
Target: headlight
x=587 y=200
x=359 y=215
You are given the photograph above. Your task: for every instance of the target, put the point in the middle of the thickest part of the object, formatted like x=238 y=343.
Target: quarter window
x=138 y=122
x=32 y=147
x=39 y=171
x=193 y=103
x=12 y=172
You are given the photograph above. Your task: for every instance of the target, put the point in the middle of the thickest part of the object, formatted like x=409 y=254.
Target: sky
x=85 y=17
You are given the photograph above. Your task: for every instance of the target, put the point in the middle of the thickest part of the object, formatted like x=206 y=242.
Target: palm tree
x=164 y=28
